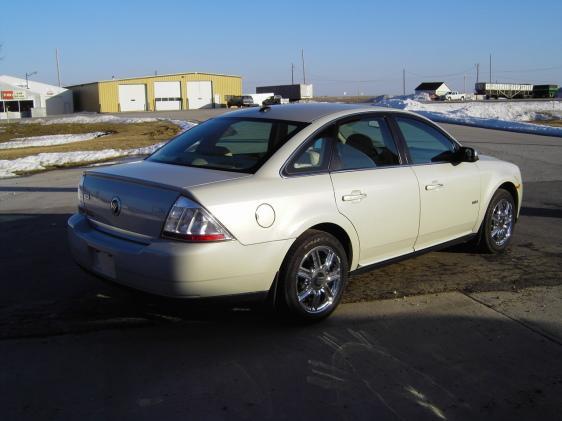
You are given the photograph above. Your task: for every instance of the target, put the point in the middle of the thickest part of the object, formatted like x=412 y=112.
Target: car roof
x=305 y=112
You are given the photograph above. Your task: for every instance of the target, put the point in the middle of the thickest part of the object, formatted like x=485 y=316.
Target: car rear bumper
x=173 y=268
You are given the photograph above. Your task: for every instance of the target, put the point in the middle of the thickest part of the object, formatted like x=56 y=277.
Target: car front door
x=449 y=191
x=373 y=189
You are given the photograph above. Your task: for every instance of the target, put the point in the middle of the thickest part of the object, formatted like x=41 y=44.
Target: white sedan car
x=285 y=201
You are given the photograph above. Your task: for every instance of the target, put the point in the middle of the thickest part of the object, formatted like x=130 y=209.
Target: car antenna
x=265 y=108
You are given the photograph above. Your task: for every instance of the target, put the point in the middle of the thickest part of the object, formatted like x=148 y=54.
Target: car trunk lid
x=134 y=199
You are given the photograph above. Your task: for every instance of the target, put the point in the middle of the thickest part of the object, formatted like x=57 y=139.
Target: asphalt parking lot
x=447 y=335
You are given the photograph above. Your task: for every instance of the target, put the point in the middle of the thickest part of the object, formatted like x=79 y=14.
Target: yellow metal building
x=179 y=91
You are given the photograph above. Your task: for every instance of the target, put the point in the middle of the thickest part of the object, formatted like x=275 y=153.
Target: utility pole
x=404 y=81
x=292 y=74
x=27 y=78
x=477 y=72
x=58 y=66
x=303 y=70
x=464 y=81
x=490 y=67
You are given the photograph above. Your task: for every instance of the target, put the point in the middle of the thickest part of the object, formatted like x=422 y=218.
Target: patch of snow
x=504 y=115
x=49 y=140
x=93 y=118
x=9 y=168
x=182 y=124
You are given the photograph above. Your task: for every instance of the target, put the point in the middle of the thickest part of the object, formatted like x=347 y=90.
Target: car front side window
x=426 y=144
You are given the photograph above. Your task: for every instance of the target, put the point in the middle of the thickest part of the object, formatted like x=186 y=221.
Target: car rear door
x=373 y=189
x=449 y=191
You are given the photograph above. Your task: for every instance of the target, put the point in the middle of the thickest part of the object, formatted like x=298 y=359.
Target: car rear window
x=230 y=144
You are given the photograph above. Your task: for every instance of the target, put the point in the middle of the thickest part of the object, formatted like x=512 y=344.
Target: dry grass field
x=122 y=136
x=553 y=123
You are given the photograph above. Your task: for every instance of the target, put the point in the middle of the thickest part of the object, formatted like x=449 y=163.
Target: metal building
x=178 y=91
x=28 y=98
x=432 y=88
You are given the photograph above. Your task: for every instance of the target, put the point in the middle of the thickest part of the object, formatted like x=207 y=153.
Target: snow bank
x=182 y=124
x=102 y=118
x=9 y=168
x=49 y=140
x=505 y=115
x=98 y=118
x=90 y=119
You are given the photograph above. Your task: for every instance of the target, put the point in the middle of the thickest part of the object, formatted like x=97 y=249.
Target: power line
x=320 y=78
x=544 y=69
x=442 y=75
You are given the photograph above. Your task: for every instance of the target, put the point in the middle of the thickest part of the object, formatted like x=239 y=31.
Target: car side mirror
x=467 y=154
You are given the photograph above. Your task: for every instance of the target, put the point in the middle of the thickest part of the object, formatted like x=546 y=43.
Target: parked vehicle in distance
x=504 y=90
x=260 y=98
x=282 y=203
x=454 y=96
x=273 y=100
x=240 y=101
x=296 y=92
x=545 y=91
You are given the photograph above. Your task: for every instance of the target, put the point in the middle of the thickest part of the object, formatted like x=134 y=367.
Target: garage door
x=132 y=97
x=200 y=94
x=167 y=95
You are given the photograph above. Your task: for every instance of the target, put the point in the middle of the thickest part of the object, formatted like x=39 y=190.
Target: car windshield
x=230 y=144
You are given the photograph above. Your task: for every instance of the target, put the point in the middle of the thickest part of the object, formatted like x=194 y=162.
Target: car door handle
x=435 y=186
x=355 y=195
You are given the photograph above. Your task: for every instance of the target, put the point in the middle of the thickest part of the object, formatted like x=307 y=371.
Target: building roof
x=153 y=76
x=429 y=86
x=34 y=86
x=305 y=113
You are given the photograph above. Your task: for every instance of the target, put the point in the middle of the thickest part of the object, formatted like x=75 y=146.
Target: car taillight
x=188 y=221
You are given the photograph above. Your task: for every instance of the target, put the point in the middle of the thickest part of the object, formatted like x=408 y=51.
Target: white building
x=20 y=98
x=432 y=88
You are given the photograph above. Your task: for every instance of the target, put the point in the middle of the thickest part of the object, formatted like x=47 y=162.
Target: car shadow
x=396 y=364
x=16 y=189
x=541 y=212
x=46 y=292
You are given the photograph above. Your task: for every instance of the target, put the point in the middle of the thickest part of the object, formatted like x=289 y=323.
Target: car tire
x=498 y=225
x=312 y=277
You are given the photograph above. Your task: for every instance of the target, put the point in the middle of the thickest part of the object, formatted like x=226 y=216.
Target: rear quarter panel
x=299 y=203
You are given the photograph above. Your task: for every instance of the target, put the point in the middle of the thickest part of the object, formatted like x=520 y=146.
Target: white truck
x=260 y=98
x=454 y=96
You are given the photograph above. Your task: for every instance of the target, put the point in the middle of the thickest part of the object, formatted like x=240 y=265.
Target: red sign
x=7 y=95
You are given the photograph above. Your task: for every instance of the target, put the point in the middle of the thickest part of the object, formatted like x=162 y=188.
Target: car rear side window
x=231 y=144
x=313 y=158
x=426 y=144
x=365 y=143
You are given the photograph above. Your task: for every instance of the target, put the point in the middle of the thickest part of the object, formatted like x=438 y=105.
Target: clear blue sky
x=350 y=46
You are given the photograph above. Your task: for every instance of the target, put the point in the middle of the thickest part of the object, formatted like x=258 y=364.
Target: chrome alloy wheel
x=502 y=222
x=318 y=279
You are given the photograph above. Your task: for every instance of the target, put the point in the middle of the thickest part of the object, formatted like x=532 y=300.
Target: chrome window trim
x=370 y=168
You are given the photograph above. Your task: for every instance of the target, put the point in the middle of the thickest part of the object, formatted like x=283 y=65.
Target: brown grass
x=123 y=136
x=553 y=123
